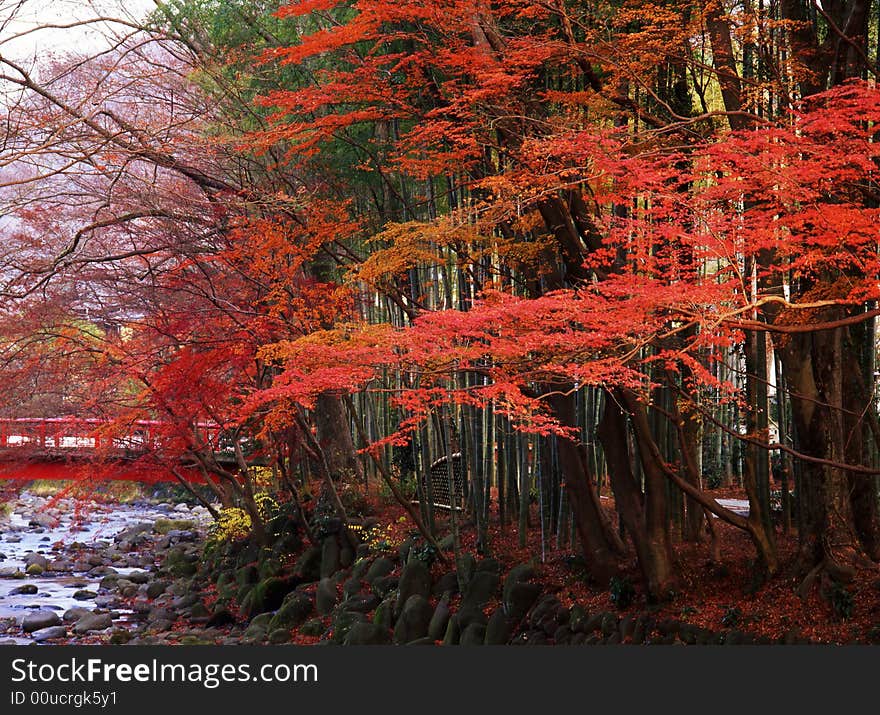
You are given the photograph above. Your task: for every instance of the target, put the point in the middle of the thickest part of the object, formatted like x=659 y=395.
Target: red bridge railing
x=68 y=435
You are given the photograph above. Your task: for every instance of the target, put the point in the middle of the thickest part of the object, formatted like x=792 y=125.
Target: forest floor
x=727 y=594
x=714 y=596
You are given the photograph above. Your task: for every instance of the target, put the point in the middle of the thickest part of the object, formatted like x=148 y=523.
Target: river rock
x=27 y=589
x=44 y=520
x=40 y=619
x=139 y=577
x=93 y=622
x=220 y=617
x=74 y=614
x=156 y=588
x=84 y=595
x=39 y=559
x=183 y=602
x=50 y=633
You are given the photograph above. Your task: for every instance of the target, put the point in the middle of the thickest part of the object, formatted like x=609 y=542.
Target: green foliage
x=424 y=552
x=407 y=484
x=842 y=600
x=687 y=611
x=621 y=591
x=234 y=524
x=713 y=476
x=732 y=617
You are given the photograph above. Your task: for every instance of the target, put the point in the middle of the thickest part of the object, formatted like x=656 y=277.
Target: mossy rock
x=474 y=634
x=199 y=610
x=546 y=609
x=453 y=633
x=268 y=595
x=294 y=611
x=384 y=613
x=447 y=583
x=247 y=574
x=465 y=616
x=180 y=563
x=343 y=623
x=195 y=640
x=415 y=580
x=330 y=559
x=163 y=526
x=308 y=565
x=481 y=589
x=489 y=565
x=440 y=619
x=577 y=618
x=360 y=568
x=262 y=620
x=279 y=636
x=313 y=627
x=378 y=568
x=415 y=616
x=385 y=585
x=497 y=630
x=269 y=567
x=325 y=596
x=465 y=568
x=518 y=574
x=367 y=634
x=120 y=637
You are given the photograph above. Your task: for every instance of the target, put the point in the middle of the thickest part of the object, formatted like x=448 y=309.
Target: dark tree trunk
x=601 y=545
x=654 y=559
x=334 y=436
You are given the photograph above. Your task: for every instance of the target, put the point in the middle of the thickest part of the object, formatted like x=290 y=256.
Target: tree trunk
x=612 y=431
x=334 y=436
x=601 y=545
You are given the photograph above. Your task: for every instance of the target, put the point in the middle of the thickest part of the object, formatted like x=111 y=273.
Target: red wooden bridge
x=75 y=447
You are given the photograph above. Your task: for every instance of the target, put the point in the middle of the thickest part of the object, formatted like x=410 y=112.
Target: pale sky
x=30 y=14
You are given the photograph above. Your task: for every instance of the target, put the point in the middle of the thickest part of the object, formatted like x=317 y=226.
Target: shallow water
x=92 y=524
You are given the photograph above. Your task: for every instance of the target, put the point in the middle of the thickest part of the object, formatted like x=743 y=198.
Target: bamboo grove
x=600 y=250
